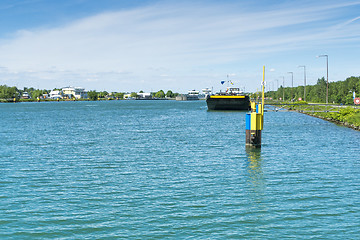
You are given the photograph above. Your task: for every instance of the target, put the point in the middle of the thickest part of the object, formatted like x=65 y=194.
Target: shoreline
x=325 y=118
x=72 y=100
x=337 y=122
x=347 y=116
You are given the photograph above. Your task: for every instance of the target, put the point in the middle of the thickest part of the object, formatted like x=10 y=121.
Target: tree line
x=7 y=92
x=94 y=95
x=340 y=92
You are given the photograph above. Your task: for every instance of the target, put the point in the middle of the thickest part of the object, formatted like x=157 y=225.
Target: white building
x=76 y=92
x=25 y=95
x=56 y=94
x=144 y=95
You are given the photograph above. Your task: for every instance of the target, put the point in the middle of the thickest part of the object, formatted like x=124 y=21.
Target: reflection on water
x=254 y=169
x=256 y=188
x=136 y=170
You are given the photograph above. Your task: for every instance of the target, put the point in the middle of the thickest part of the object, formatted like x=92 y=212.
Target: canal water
x=173 y=170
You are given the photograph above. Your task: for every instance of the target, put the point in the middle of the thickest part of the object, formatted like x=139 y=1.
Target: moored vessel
x=192 y=95
x=232 y=99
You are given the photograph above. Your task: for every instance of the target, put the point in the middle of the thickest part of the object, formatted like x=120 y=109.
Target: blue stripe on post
x=248 y=121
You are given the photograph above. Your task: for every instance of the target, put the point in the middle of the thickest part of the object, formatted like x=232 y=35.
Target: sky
x=133 y=45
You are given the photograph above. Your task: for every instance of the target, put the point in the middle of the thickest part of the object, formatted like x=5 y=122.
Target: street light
x=283 y=87
x=304 y=82
x=292 y=84
x=327 y=76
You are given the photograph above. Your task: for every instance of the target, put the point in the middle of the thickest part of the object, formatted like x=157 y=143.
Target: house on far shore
x=127 y=96
x=56 y=94
x=144 y=96
x=45 y=96
x=77 y=92
x=25 y=95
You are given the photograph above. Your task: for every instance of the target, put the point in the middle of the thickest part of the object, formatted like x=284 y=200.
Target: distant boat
x=192 y=95
x=232 y=99
x=206 y=91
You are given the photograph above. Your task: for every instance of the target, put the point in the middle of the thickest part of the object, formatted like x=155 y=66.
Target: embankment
x=338 y=122
x=347 y=116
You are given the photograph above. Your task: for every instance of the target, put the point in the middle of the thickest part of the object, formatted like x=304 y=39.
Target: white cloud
x=124 y=47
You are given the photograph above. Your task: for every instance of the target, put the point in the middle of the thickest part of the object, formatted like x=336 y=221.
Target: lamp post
x=304 y=82
x=327 y=76
x=277 y=88
x=292 y=85
x=283 y=87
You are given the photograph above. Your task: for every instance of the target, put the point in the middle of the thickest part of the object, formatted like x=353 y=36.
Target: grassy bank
x=347 y=116
x=343 y=115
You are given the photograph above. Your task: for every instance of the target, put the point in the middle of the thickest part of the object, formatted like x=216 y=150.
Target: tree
x=119 y=95
x=339 y=92
x=102 y=94
x=8 y=92
x=36 y=93
x=169 y=94
x=160 y=94
x=93 y=95
x=349 y=99
x=133 y=95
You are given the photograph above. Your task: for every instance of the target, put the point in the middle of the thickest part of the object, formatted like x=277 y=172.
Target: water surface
x=167 y=169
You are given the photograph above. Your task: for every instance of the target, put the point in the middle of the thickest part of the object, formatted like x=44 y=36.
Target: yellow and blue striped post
x=254 y=125
x=255 y=121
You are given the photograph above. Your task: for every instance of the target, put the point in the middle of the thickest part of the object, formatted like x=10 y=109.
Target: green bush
x=345 y=115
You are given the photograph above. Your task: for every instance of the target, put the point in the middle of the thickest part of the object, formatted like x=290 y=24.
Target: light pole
x=283 y=87
x=304 y=82
x=292 y=85
x=327 y=76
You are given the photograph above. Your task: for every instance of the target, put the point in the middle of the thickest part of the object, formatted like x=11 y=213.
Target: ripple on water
x=167 y=169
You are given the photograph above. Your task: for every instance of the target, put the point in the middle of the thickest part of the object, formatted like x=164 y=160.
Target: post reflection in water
x=255 y=173
x=258 y=207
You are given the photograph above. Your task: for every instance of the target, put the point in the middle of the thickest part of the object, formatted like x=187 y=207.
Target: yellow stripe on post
x=260 y=109
x=256 y=121
x=253 y=106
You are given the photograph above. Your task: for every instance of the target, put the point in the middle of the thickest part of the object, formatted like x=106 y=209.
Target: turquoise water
x=173 y=170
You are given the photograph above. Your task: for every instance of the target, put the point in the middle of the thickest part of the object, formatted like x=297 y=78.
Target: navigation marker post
x=255 y=120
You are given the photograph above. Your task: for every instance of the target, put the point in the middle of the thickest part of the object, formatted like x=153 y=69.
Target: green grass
x=345 y=115
x=355 y=119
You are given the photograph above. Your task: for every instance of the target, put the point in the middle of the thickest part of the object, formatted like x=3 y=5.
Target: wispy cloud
x=179 y=38
x=8 y=4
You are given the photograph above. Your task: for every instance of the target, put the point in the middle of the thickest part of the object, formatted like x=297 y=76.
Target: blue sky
x=179 y=45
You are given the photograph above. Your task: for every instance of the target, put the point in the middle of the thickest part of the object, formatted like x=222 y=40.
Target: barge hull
x=228 y=103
